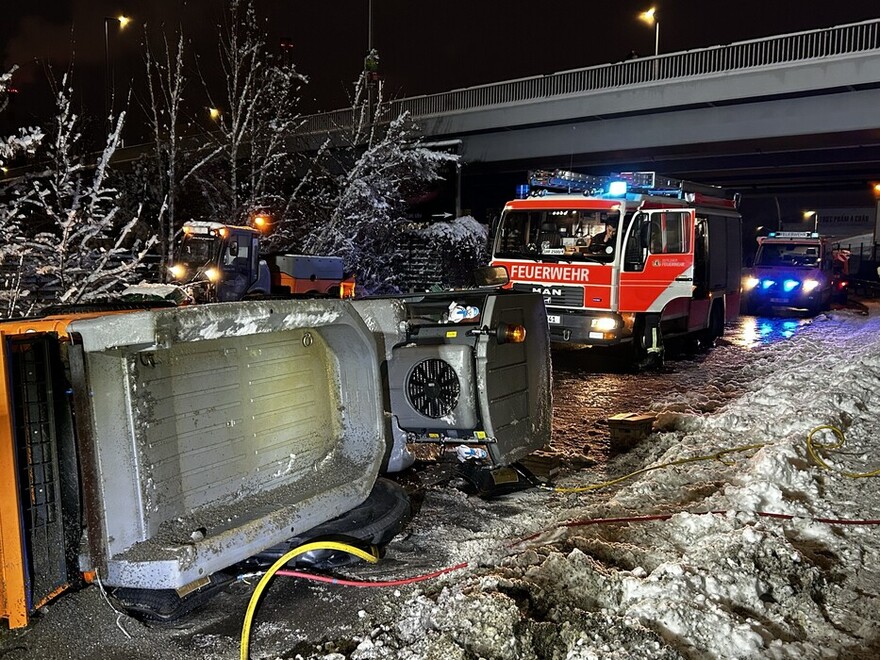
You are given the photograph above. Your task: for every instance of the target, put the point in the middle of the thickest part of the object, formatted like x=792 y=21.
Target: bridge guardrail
x=838 y=41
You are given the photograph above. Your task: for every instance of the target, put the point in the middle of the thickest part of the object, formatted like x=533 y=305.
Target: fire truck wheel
x=716 y=321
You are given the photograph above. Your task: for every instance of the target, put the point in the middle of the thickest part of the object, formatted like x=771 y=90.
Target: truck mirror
x=491 y=276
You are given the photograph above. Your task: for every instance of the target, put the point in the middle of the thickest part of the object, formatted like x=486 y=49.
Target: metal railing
x=782 y=49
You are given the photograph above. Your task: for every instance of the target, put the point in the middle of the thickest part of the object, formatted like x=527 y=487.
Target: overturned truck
x=152 y=449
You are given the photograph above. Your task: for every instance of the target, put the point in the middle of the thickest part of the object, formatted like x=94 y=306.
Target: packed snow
x=729 y=584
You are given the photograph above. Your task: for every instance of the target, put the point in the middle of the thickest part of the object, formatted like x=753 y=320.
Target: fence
x=839 y=41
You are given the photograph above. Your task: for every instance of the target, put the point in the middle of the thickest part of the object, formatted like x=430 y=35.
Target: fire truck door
x=658 y=260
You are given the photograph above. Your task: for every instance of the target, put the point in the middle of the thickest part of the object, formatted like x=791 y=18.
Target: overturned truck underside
x=152 y=449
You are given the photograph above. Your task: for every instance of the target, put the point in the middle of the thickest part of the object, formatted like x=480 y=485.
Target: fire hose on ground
x=814 y=449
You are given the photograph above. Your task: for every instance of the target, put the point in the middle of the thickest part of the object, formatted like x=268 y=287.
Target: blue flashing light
x=788 y=285
x=766 y=284
x=522 y=191
x=617 y=188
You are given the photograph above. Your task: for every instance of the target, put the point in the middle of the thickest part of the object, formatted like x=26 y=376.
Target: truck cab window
x=669 y=232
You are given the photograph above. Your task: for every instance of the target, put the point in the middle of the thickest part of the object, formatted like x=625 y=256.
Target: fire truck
x=795 y=269
x=624 y=260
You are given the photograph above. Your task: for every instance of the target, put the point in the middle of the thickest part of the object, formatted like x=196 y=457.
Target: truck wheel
x=376 y=521
x=715 y=328
x=716 y=321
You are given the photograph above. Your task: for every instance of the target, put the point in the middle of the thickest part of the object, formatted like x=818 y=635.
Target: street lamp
x=121 y=21
x=214 y=113
x=815 y=216
x=650 y=17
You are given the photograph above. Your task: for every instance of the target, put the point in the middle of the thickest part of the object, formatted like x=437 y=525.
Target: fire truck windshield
x=197 y=250
x=776 y=255
x=558 y=235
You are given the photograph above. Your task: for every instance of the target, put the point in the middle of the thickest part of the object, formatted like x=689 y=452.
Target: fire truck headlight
x=178 y=271
x=212 y=274
x=603 y=323
x=810 y=285
x=750 y=283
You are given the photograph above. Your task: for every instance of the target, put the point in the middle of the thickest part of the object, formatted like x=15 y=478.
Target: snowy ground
x=697 y=584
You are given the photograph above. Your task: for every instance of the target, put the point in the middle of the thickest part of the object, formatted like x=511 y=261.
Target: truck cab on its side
x=793 y=269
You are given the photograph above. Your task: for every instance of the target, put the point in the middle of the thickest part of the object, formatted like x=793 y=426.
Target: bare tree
x=14 y=200
x=358 y=208
x=165 y=85
x=81 y=249
x=256 y=115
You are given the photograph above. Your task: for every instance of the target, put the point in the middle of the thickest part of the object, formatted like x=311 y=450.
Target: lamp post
x=815 y=216
x=371 y=65
x=109 y=90
x=650 y=17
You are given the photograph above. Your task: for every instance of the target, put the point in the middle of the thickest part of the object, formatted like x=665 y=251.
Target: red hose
x=364 y=583
x=574 y=523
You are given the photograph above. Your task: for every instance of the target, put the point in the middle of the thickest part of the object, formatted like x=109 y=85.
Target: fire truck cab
x=626 y=259
x=794 y=269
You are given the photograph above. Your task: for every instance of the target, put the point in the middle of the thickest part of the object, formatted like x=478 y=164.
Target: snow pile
x=731 y=584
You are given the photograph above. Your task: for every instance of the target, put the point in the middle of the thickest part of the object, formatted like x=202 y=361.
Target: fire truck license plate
x=554 y=318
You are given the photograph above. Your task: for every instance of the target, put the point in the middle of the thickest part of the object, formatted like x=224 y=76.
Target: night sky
x=425 y=46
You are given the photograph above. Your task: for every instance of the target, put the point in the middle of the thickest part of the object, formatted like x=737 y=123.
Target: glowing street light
x=121 y=21
x=815 y=216
x=650 y=17
x=214 y=113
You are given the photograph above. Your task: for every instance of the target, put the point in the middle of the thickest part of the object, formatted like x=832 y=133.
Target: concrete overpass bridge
x=789 y=114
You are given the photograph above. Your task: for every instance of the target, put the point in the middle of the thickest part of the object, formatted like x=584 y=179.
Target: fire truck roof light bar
x=793 y=234
x=637 y=182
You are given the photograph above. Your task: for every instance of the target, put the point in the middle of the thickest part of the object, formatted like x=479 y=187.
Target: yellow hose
x=814 y=447
x=718 y=456
x=299 y=550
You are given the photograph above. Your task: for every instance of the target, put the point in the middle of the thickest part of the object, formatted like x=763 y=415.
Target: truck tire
x=715 y=329
x=374 y=522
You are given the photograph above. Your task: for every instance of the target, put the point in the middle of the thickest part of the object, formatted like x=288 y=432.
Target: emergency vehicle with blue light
x=794 y=269
x=625 y=259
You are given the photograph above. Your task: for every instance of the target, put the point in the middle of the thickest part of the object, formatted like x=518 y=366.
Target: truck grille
x=555 y=294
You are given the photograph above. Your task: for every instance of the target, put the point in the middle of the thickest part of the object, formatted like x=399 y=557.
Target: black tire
x=374 y=522
x=164 y=605
x=715 y=328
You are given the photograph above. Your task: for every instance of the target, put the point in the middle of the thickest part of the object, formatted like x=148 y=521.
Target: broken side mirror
x=491 y=276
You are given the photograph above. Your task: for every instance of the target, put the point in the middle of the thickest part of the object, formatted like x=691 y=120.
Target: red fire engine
x=625 y=259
